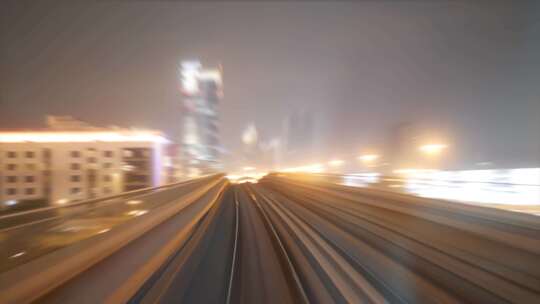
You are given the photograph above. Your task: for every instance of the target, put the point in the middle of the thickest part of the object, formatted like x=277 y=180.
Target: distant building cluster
x=72 y=160
x=294 y=142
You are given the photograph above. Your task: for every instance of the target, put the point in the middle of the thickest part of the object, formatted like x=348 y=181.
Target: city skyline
x=360 y=76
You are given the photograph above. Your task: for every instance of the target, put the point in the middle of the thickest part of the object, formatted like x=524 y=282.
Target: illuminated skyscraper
x=202 y=91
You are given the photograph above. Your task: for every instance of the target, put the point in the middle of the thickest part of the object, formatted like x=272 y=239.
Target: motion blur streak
x=508 y=186
x=502 y=188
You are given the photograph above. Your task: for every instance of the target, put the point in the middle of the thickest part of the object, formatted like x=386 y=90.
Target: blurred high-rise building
x=298 y=136
x=401 y=147
x=250 y=145
x=202 y=92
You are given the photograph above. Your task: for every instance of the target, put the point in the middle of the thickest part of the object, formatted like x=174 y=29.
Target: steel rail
x=236 y=237
x=439 y=263
x=347 y=281
x=446 y=216
x=299 y=286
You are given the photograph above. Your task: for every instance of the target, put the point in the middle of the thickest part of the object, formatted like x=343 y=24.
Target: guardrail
x=19 y=220
x=100 y=199
x=38 y=277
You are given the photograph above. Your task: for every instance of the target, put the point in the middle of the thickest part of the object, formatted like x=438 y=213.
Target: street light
x=368 y=158
x=314 y=168
x=336 y=162
x=433 y=149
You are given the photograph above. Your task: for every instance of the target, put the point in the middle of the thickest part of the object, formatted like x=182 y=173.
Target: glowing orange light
x=432 y=149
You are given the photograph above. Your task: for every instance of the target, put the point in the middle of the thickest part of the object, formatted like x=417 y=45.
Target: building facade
x=61 y=166
x=202 y=93
x=298 y=136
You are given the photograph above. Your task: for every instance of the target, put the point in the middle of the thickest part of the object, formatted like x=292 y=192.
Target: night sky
x=468 y=71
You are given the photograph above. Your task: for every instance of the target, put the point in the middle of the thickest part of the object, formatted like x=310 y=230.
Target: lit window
x=128 y=153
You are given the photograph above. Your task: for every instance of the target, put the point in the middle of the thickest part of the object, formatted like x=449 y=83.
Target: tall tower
x=201 y=92
x=298 y=136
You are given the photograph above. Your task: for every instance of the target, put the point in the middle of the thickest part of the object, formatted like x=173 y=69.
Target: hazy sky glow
x=469 y=71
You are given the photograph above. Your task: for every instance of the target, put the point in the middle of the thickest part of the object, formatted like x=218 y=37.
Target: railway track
x=413 y=252
x=287 y=240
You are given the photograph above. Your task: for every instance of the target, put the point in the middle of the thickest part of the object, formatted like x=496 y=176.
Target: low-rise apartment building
x=77 y=162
